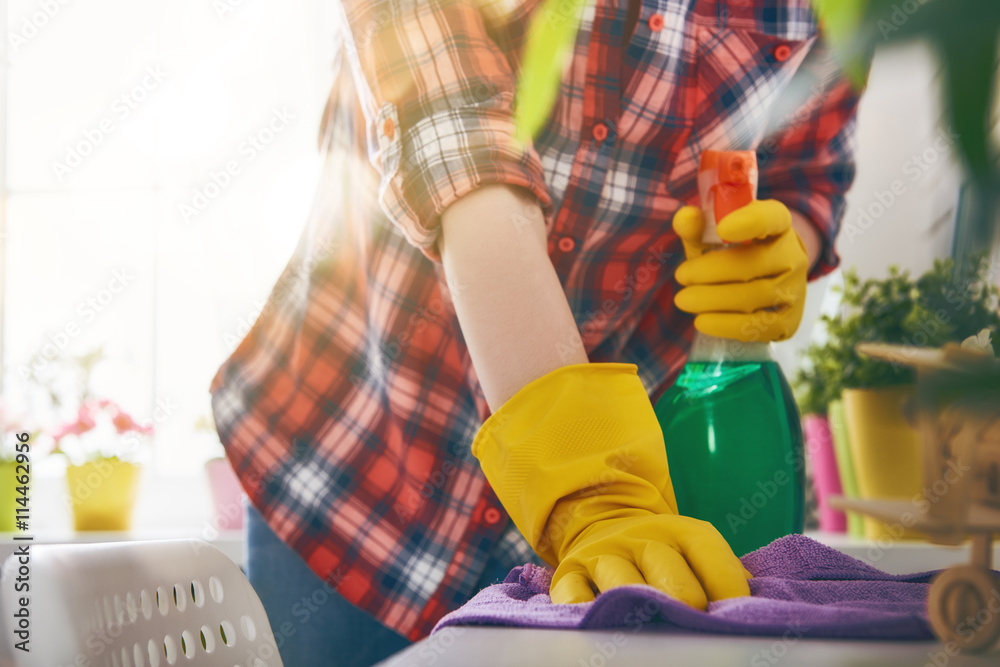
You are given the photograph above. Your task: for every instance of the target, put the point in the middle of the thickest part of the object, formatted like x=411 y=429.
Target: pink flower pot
x=825 y=478
x=226 y=493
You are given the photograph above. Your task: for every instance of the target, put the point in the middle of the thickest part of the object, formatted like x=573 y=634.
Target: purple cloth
x=800 y=588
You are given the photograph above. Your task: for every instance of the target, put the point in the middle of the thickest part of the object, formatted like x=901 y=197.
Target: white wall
x=900 y=210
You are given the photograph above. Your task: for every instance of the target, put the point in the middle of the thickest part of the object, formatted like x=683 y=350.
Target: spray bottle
x=731 y=426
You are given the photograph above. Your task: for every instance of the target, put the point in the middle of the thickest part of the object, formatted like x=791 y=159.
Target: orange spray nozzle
x=727 y=180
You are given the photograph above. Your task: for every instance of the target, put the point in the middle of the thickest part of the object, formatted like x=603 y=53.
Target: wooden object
x=957 y=412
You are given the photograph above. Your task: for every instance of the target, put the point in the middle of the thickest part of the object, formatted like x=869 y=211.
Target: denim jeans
x=312 y=624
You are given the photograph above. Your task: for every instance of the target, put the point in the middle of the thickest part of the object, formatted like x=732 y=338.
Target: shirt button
x=782 y=52
x=600 y=132
x=491 y=515
x=655 y=22
x=388 y=128
x=566 y=244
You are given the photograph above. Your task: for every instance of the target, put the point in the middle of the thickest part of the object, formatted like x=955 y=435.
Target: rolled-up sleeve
x=807 y=161
x=438 y=98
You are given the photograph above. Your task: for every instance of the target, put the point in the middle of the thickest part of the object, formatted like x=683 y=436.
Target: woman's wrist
x=811 y=238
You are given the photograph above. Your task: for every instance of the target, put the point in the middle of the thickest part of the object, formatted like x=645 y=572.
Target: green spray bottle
x=731 y=426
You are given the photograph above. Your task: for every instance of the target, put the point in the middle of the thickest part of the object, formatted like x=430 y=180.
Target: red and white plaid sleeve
x=438 y=97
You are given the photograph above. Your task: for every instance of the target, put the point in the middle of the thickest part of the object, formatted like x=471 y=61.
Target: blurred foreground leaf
x=549 y=43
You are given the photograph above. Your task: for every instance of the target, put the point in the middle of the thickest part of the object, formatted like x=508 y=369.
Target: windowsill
x=900 y=556
x=164 y=502
x=167 y=507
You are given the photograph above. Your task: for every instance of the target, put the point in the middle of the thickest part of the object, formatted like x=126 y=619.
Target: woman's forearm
x=510 y=304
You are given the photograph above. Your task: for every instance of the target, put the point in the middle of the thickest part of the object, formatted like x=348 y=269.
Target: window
x=160 y=162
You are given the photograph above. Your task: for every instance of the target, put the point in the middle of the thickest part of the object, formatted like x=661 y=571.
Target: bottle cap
x=727 y=180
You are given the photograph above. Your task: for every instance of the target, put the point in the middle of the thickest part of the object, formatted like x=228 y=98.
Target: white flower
x=980 y=342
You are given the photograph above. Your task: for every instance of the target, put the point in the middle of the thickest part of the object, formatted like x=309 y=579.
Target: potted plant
x=227 y=494
x=944 y=305
x=101 y=441
x=965 y=35
x=817 y=386
x=11 y=464
x=7 y=483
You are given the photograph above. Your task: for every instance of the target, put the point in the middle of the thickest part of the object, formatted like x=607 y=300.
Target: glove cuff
x=585 y=434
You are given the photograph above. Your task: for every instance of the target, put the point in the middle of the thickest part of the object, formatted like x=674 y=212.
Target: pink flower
x=104 y=410
x=85 y=416
x=124 y=423
x=72 y=428
x=84 y=422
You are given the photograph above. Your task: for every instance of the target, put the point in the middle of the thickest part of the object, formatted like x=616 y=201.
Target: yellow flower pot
x=103 y=494
x=8 y=493
x=885 y=450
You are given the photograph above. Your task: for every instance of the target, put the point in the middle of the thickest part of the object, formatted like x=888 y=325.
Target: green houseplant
x=876 y=445
x=945 y=305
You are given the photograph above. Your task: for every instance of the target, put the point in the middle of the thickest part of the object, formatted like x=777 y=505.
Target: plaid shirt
x=349 y=408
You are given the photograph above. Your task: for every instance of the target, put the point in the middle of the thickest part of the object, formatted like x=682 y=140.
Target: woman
x=450 y=270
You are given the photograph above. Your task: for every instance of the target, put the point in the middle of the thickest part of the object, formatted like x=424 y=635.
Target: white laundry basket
x=137 y=604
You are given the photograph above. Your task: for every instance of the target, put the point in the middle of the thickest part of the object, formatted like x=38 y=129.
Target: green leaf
x=840 y=18
x=970 y=67
x=842 y=24
x=549 y=44
x=945 y=305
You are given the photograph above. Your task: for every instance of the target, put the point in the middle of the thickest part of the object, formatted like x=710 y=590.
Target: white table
x=521 y=647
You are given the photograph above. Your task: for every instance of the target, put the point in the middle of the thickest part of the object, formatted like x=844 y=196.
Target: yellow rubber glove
x=748 y=292
x=577 y=459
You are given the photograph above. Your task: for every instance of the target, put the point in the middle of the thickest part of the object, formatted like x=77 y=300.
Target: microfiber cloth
x=800 y=588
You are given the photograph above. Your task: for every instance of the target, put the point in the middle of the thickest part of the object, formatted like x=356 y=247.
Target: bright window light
x=160 y=160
